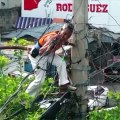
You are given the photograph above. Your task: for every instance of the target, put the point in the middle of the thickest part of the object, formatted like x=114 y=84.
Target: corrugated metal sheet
x=30 y=22
x=112 y=35
x=34 y=32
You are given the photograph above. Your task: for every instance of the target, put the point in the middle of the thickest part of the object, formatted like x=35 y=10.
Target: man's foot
x=66 y=87
x=58 y=93
x=71 y=88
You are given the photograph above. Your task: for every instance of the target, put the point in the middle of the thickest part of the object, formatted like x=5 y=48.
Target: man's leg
x=61 y=69
x=64 y=83
x=34 y=87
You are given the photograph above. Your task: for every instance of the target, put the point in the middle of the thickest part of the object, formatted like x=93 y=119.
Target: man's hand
x=42 y=50
x=28 y=50
x=51 y=44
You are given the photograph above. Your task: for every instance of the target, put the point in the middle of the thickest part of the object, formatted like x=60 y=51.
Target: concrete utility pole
x=80 y=70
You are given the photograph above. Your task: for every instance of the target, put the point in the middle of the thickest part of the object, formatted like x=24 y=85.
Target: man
x=43 y=52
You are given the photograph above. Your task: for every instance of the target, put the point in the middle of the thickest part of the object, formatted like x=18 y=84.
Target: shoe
x=71 y=88
x=58 y=93
x=67 y=87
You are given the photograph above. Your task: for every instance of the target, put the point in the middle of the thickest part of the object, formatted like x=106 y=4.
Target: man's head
x=68 y=26
x=66 y=31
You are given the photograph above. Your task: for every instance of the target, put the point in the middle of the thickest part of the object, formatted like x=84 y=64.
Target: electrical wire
x=108 y=52
x=108 y=66
x=21 y=82
x=106 y=47
x=111 y=16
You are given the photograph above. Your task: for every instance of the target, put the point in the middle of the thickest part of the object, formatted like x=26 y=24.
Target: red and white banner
x=47 y=8
x=31 y=4
x=101 y=13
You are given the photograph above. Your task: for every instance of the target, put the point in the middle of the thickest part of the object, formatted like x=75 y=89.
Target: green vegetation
x=17 y=42
x=9 y=85
x=110 y=114
x=12 y=89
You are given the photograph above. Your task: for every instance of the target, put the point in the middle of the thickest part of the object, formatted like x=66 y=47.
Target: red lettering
x=69 y=7
x=64 y=7
x=58 y=7
x=105 y=8
x=92 y=7
x=98 y=8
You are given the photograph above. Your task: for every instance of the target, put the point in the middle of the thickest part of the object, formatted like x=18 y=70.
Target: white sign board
x=104 y=13
x=101 y=13
x=47 y=8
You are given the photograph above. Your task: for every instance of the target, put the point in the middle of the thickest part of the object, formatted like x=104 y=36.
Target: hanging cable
x=23 y=80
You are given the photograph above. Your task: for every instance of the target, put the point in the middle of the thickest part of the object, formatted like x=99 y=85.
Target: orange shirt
x=41 y=40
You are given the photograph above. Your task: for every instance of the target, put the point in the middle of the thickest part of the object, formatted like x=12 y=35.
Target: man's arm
x=48 y=44
x=44 y=47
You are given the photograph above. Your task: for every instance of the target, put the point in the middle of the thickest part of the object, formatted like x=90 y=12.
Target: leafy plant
x=16 y=42
x=108 y=114
x=9 y=85
x=48 y=86
x=3 y=61
x=113 y=114
x=115 y=96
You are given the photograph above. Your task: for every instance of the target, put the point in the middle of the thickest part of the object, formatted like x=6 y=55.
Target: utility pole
x=79 y=70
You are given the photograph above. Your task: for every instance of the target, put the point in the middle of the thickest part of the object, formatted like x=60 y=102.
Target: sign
x=104 y=14
x=101 y=13
x=47 y=8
